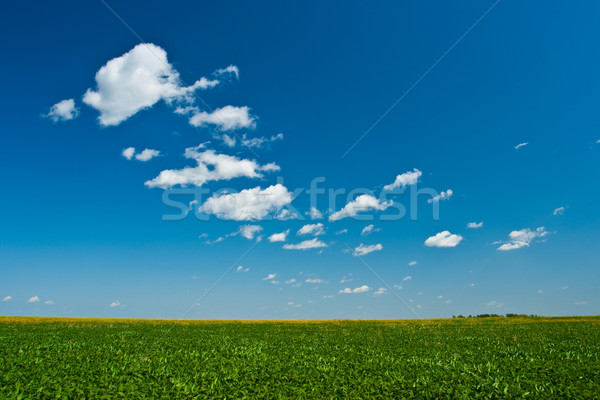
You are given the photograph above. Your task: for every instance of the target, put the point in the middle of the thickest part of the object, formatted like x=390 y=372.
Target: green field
x=458 y=358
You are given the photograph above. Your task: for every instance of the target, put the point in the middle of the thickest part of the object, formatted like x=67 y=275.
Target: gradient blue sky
x=79 y=228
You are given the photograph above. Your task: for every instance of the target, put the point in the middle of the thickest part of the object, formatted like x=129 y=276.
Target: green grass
x=462 y=358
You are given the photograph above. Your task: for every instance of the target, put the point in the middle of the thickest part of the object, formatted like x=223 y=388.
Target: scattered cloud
x=345 y=279
x=314 y=213
x=7 y=298
x=227 y=118
x=249 y=231
x=442 y=196
x=380 y=291
x=138 y=80
x=341 y=232
x=293 y=280
x=559 y=211
x=443 y=239
x=494 y=303
x=540 y=291
x=147 y=155
x=315 y=280
x=242 y=269
x=363 y=250
x=404 y=180
x=521 y=145
x=522 y=238
x=269 y=277
x=211 y=167
x=64 y=110
x=279 y=237
x=407 y=278
x=232 y=69
x=305 y=245
x=128 y=153
x=564 y=287
x=115 y=303
x=33 y=299
x=360 y=289
x=49 y=302
x=580 y=303
x=475 y=225
x=362 y=203
x=256 y=142
x=412 y=263
x=369 y=229
x=312 y=229
x=249 y=204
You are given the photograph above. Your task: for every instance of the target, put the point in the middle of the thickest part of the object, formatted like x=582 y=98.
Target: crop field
x=148 y=359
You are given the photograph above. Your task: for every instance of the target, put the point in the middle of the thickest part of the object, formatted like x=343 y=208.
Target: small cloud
x=399 y=287
x=559 y=211
x=128 y=152
x=279 y=237
x=314 y=213
x=475 y=225
x=369 y=229
x=345 y=279
x=360 y=289
x=147 y=155
x=305 y=245
x=7 y=298
x=360 y=204
x=443 y=239
x=315 y=280
x=64 y=110
x=249 y=231
x=564 y=287
x=33 y=299
x=580 y=303
x=269 y=277
x=115 y=303
x=407 y=278
x=381 y=291
x=448 y=302
x=412 y=263
x=472 y=285
x=523 y=238
x=521 y=145
x=232 y=69
x=540 y=291
x=363 y=250
x=49 y=302
x=312 y=229
x=341 y=232
x=442 y=196
x=242 y=269
x=404 y=180
x=293 y=280
x=494 y=303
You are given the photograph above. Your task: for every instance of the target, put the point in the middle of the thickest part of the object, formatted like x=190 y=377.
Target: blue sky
x=83 y=229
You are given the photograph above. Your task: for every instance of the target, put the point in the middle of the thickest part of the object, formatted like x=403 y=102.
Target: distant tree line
x=509 y=315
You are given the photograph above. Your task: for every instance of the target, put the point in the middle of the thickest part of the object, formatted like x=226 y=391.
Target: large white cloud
x=523 y=238
x=443 y=239
x=227 y=118
x=249 y=204
x=312 y=229
x=364 y=202
x=64 y=110
x=362 y=250
x=137 y=80
x=211 y=167
x=403 y=180
x=305 y=245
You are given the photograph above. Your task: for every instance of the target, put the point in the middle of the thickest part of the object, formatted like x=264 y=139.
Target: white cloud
x=314 y=213
x=362 y=203
x=559 y=211
x=128 y=152
x=256 y=142
x=521 y=145
x=293 y=280
x=475 y=225
x=227 y=118
x=404 y=180
x=344 y=279
x=380 y=291
x=279 y=237
x=269 y=277
x=49 y=302
x=305 y=245
x=7 y=298
x=249 y=204
x=64 y=110
x=211 y=167
x=540 y=291
x=494 y=303
x=33 y=299
x=412 y=263
x=312 y=229
x=580 y=303
x=232 y=69
x=286 y=214
x=315 y=280
x=362 y=250
x=442 y=196
x=443 y=239
x=137 y=80
x=115 y=303
x=360 y=289
x=407 y=278
x=369 y=229
x=564 y=287
x=523 y=238
x=248 y=231
x=341 y=232
x=147 y=155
